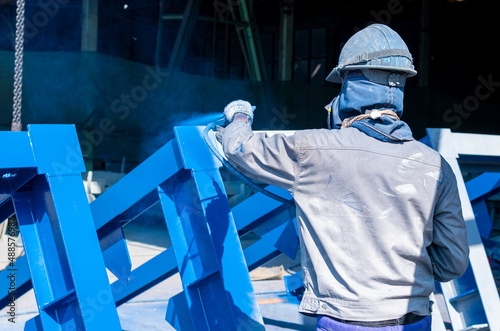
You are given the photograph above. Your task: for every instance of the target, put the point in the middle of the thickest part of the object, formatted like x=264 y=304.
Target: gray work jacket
x=378 y=221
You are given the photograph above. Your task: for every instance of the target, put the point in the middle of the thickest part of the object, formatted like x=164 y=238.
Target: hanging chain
x=18 y=67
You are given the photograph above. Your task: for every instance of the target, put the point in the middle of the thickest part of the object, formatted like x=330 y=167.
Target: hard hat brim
x=334 y=76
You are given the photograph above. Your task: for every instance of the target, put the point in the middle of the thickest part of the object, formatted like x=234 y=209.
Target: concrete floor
x=147 y=310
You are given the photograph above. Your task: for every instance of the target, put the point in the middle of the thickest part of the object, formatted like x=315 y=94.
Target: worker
x=378 y=213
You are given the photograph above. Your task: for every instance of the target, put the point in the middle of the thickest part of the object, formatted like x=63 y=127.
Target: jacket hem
x=363 y=310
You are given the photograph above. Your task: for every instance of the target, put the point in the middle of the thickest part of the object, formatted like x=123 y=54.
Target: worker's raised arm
x=268 y=159
x=449 y=250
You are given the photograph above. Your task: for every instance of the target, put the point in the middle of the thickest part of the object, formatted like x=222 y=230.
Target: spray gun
x=213 y=127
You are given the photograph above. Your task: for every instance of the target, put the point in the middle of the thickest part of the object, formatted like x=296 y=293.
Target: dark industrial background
x=126 y=72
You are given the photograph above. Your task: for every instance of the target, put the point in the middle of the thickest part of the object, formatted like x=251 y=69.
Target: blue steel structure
x=206 y=250
x=39 y=168
x=66 y=239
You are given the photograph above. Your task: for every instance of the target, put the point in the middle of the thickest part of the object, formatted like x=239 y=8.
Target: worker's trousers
x=327 y=324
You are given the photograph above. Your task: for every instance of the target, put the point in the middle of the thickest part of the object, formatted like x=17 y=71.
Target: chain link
x=18 y=67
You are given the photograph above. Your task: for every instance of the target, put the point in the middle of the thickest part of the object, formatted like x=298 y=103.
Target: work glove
x=238 y=107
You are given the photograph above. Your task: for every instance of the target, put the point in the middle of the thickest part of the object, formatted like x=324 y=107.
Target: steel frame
x=185 y=180
x=472 y=299
x=38 y=170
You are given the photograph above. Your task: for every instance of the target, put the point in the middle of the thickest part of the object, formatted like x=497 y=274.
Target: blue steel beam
x=281 y=240
x=483 y=186
x=127 y=199
x=32 y=222
x=55 y=226
x=210 y=260
x=137 y=185
x=247 y=216
x=87 y=278
x=482 y=216
x=284 y=237
x=18 y=151
x=294 y=283
x=146 y=276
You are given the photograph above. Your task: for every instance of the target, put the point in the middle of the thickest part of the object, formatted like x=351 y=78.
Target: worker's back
x=366 y=211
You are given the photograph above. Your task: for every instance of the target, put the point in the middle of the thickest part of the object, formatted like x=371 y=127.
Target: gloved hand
x=238 y=107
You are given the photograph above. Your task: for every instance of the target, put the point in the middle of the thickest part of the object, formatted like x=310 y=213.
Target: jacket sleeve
x=449 y=250
x=272 y=160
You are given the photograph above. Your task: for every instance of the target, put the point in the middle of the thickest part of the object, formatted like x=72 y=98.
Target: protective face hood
x=359 y=96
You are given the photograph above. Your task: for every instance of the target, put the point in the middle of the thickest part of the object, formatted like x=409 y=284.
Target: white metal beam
x=451 y=146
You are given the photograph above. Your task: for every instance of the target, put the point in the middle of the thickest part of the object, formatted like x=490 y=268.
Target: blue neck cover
x=359 y=96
